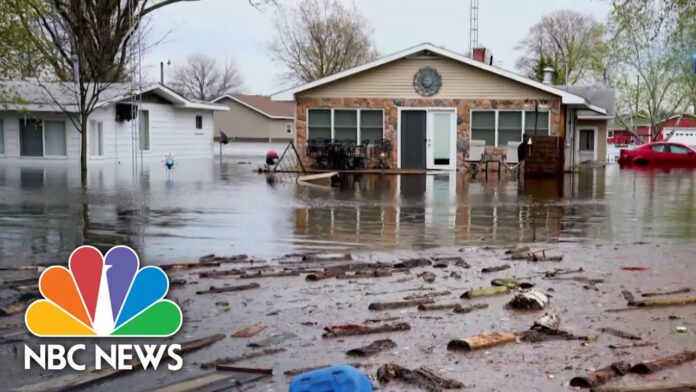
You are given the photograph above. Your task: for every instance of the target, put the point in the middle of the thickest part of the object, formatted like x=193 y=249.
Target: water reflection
x=224 y=207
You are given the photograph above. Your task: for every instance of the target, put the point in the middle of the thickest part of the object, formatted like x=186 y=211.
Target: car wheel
x=641 y=162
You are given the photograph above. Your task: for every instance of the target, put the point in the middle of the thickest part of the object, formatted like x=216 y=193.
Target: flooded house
x=431 y=106
x=150 y=123
x=255 y=118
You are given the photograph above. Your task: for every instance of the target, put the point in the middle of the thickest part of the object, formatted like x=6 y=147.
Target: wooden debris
x=601 y=376
x=429 y=307
x=427 y=295
x=177 y=282
x=529 y=300
x=271 y=340
x=91 y=376
x=628 y=296
x=260 y=274
x=220 y=274
x=658 y=302
x=367 y=330
x=399 y=304
x=561 y=271
x=653 y=366
x=373 y=273
x=327 y=257
x=633 y=345
x=228 y=289
x=216 y=381
x=620 y=334
x=188 y=266
x=372 y=348
x=485 y=292
x=657 y=294
x=446 y=261
x=537 y=255
x=248 y=331
x=382 y=320
x=652 y=387
x=482 y=341
x=413 y=263
x=422 y=378
x=495 y=269
x=323 y=275
x=295 y=372
x=427 y=276
x=232 y=368
x=244 y=356
x=15 y=308
x=581 y=279
x=469 y=309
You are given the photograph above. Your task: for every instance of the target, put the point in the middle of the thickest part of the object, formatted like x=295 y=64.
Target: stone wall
x=391 y=113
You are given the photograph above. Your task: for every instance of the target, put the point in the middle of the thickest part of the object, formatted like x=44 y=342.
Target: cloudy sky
x=233 y=30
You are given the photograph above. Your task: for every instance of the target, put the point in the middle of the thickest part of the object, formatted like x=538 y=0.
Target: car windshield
x=678 y=149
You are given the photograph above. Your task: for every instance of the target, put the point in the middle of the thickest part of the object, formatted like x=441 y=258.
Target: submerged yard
x=614 y=230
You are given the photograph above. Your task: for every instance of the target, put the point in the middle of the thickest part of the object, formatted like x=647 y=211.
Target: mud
x=296 y=312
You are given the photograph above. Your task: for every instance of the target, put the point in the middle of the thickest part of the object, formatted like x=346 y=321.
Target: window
x=371 y=125
x=586 y=140
x=356 y=125
x=674 y=149
x=144 y=130
x=483 y=127
x=509 y=128
x=199 y=122
x=319 y=124
x=536 y=123
x=346 y=125
x=610 y=133
x=42 y=138
x=96 y=138
x=660 y=148
x=2 y=138
x=288 y=127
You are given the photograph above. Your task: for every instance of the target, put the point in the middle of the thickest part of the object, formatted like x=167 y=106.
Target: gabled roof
x=566 y=97
x=599 y=96
x=37 y=96
x=263 y=105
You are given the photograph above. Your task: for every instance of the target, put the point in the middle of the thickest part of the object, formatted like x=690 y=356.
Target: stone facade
x=391 y=114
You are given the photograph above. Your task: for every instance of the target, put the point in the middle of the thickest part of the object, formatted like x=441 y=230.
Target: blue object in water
x=341 y=378
x=169 y=163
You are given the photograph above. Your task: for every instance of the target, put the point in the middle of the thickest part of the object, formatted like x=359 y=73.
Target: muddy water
x=223 y=207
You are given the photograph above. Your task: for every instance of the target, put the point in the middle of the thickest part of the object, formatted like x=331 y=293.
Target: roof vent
x=548 y=76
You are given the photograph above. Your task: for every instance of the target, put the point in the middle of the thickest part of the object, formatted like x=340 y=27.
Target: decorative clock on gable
x=427 y=81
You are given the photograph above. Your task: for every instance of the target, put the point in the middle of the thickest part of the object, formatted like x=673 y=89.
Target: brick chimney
x=479 y=54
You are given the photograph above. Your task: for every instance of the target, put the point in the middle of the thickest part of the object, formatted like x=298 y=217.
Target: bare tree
x=650 y=68
x=570 y=39
x=319 y=38
x=201 y=78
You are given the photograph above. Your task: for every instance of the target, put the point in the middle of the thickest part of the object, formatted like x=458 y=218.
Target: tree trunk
x=83 y=150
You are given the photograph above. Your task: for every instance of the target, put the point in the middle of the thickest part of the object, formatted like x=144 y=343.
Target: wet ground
x=598 y=219
x=224 y=207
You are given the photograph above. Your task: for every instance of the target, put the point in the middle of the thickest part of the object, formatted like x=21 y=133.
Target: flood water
x=224 y=207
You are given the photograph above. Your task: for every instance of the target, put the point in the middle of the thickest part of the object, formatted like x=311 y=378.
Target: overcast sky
x=232 y=29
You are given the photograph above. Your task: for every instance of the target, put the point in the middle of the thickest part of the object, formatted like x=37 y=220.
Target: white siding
x=172 y=131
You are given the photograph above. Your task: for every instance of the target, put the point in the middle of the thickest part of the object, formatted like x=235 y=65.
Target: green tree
x=542 y=63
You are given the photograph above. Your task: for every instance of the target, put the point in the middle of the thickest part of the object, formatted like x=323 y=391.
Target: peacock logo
x=103 y=296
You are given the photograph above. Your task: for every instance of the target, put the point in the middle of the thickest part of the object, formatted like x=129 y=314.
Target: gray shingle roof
x=601 y=96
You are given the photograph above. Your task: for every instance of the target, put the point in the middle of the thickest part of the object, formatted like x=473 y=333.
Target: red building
x=677 y=125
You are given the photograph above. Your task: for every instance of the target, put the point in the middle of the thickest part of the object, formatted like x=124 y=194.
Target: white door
x=587 y=147
x=441 y=148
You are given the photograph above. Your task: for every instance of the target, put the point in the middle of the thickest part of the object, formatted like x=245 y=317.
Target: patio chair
x=382 y=151
x=474 y=156
x=511 y=160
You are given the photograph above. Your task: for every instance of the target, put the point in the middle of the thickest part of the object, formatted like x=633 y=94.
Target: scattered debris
x=550 y=321
x=272 y=340
x=633 y=345
x=581 y=279
x=230 y=259
x=413 y=263
x=327 y=257
x=486 y=292
x=365 y=330
x=547 y=328
x=537 y=255
x=561 y=271
x=429 y=307
x=657 y=294
x=601 y=376
x=421 y=377
x=620 y=334
x=260 y=274
x=495 y=269
x=653 y=366
x=372 y=348
x=446 y=261
x=216 y=381
x=188 y=266
x=529 y=300
x=373 y=273
x=427 y=276
x=469 y=309
x=232 y=368
x=295 y=372
x=427 y=295
x=657 y=302
x=218 y=290
x=15 y=308
x=653 y=387
x=628 y=296
x=400 y=304
x=248 y=331
x=382 y=320
x=455 y=275
x=682 y=329
x=634 y=268
x=482 y=341
x=244 y=356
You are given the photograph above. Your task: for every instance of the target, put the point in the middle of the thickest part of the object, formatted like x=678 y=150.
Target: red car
x=659 y=154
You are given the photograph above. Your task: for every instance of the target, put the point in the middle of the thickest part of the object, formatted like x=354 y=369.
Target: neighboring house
x=630 y=130
x=34 y=127
x=680 y=128
x=255 y=118
x=429 y=102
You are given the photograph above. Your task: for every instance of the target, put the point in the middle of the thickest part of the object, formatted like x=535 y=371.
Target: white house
x=150 y=123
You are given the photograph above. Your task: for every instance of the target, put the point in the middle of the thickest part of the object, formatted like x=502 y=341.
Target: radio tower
x=473 y=25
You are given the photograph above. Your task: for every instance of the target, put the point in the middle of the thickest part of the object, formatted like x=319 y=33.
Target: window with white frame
x=499 y=127
x=353 y=125
x=38 y=138
x=96 y=138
